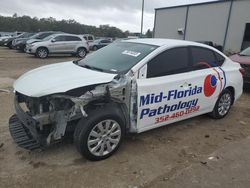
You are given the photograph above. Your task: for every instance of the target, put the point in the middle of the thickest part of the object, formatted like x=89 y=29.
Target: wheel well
x=81 y=48
x=231 y=89
x=102 y=103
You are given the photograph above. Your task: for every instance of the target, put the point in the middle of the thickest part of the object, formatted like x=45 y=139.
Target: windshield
x=25 y=35
x=48 y=38
x=245 y=52
x=97 y=41
x=118 y=57
x=41 y=35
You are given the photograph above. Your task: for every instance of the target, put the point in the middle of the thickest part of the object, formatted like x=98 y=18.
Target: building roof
x=194 y=4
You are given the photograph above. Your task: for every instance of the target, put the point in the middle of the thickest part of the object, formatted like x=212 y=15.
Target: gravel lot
x=176 y=155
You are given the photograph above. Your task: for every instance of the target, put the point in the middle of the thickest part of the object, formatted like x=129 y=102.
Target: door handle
x=186 y=85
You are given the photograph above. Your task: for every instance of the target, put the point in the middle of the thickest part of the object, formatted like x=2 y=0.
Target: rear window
x=220 y=59
x=90 y=38
x=202 y=58
x=72 y=38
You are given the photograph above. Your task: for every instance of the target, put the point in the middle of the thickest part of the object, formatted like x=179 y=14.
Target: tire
x=42 y=52
x=223 y=105
x=95 y=48
x=81 y=52
x=23 y=48
x=9 y=45
x=90 y=133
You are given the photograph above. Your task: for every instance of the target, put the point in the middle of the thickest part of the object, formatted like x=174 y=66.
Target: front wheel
x=81 y=52
x=42 y=53
x=223 y=105
x=99 y=135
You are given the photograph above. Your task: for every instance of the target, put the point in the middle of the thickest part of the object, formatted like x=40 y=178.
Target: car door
x=171 y=90
x=71 y=43
x=207 y=70
x=58 y=44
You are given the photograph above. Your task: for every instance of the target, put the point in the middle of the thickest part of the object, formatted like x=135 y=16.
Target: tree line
x=28 y=24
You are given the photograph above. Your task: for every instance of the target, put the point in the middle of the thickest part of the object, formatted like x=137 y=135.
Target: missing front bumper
x=22 y=135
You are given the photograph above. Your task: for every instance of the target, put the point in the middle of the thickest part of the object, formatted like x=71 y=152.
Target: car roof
x=67 y=34
x=165 y=42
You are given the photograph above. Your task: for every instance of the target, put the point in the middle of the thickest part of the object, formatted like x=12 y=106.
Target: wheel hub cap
x=104 y=137
x=224 y=104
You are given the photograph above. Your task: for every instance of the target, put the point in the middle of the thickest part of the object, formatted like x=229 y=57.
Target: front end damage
x=39 y=122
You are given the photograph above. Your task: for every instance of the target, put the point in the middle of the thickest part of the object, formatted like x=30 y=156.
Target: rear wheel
x=95 y=48
x=223 y=105
x=99 y=135
x=42 y=53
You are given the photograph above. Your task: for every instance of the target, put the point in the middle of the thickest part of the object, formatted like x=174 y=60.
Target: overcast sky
x=124 y=14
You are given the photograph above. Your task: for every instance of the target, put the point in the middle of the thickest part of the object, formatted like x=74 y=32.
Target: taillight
x=242 y=71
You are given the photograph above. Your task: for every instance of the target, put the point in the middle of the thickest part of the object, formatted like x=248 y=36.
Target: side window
x=172 y=61
x=90 y=38
x=202 y=58
x=72 y=38
x=105 y=41
x=220 y=59
x=60 y=38
x=85 y=37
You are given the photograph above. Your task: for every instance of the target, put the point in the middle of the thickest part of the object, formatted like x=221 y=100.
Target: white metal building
x=224 y=22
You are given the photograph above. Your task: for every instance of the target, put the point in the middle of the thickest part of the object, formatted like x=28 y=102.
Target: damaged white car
x=127 y=87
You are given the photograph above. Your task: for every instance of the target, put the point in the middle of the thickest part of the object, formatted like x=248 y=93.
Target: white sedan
x=127 y=87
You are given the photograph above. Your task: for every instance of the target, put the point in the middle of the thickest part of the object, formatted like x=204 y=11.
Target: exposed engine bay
x=47 y=119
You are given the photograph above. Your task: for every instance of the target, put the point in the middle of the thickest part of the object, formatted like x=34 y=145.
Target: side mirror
x=53 y=40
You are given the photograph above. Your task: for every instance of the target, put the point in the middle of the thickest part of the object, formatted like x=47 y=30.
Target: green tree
x=28 y=24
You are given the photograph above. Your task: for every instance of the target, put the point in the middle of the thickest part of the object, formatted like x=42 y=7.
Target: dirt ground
x=199 y=152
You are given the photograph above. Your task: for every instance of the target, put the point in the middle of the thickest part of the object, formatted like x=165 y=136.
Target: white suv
x=59 y=44
x=127 y=87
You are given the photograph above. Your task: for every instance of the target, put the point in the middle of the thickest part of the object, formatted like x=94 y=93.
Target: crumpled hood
x=58 y=78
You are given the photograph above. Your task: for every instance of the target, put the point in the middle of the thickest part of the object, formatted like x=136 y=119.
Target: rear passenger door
x=71 y=43
x=207 y=71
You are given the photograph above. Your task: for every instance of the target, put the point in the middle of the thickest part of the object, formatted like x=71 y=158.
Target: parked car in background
x=88 y=37
x=9 y=34
x=7 y=41
x=59 y=44
x=127 y=87
x=99 y=43
x=210 y=43
x=41 y=35
x=244 y=59
x=20 y=43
